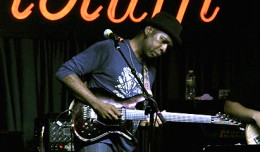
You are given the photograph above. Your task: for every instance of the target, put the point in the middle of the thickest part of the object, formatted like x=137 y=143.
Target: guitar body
x=88 y=127
x=252 y=133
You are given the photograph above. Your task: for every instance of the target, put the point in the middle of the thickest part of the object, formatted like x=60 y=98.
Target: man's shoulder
x=104 y=42
x=101 y=45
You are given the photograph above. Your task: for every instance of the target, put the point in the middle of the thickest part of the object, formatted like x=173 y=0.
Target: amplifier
x=53 y=134
x=58 y=136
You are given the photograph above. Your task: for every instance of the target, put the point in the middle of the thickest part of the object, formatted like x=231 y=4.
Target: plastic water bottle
x=190 y=93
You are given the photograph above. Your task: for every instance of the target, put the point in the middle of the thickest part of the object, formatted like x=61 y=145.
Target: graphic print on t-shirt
x=128 y=85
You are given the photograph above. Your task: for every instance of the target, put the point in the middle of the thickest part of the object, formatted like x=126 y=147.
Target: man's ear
x=148 y=30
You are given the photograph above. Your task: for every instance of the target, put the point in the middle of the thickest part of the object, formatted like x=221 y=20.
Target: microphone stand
x=150 y=104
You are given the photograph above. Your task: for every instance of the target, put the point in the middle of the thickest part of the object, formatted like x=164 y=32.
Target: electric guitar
x=252 y=132
x=88 y=127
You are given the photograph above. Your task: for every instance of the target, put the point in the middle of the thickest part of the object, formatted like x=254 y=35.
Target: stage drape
x=28 y=85
x=29 y=88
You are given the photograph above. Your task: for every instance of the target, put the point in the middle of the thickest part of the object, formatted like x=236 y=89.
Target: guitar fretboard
x=183 y=117
x=129 y=114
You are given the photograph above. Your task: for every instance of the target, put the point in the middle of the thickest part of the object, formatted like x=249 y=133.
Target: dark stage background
x=31 y=50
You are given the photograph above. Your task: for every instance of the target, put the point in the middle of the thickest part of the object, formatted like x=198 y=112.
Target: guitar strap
x=146 y=80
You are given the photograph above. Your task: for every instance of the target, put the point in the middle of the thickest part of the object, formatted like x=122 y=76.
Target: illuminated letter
x=58 y=15
x=205 y=9
x=20 y=15
x=84 y=13
x=112 y=9
x=131 y=8
x=182 y=10
x=157 y=7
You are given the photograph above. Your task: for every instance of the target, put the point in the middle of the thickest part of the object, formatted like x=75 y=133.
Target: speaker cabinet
x=11 y=141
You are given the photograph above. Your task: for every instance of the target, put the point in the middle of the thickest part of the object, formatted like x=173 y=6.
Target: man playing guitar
x=116 y=65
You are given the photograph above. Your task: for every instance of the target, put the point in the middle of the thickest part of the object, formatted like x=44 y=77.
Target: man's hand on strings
x=108 y=111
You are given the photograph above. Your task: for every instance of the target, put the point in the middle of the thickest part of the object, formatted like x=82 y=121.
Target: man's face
x=156 y=42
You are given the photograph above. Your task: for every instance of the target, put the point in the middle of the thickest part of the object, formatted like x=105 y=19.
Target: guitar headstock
x=225 y=119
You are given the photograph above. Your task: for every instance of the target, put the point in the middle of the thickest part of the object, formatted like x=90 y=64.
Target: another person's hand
x=256 y=117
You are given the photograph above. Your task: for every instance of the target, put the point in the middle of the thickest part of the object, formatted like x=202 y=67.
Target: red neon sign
x=110 y=11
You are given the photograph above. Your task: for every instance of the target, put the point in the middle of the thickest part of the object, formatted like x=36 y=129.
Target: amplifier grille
x=60 y=133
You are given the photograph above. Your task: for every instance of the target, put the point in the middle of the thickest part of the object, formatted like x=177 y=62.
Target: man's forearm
x=239 y=111
x=79 y=89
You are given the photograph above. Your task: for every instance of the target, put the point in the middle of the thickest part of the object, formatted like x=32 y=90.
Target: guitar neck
x=130 y=114
x=184 y=117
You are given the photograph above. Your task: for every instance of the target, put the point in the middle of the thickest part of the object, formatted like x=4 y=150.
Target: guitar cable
x=59 y=115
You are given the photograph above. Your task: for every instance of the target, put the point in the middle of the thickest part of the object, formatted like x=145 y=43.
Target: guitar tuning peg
x=218 y=114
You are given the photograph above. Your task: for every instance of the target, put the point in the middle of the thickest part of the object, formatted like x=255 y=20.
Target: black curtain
x=28 y=88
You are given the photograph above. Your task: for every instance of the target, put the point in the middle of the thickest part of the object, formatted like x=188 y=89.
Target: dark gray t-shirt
x=108 y=69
